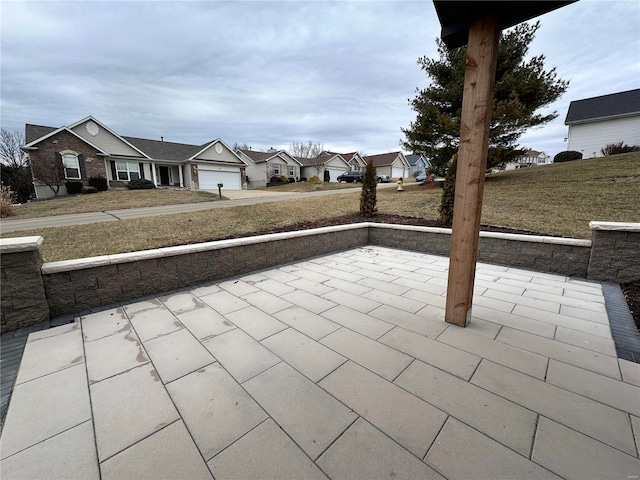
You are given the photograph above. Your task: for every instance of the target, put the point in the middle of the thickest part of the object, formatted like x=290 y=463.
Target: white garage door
x=210 y=179
x=334 y=173
x=397 y=172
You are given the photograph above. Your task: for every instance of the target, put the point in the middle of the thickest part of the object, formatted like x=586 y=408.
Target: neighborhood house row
x=88 y=148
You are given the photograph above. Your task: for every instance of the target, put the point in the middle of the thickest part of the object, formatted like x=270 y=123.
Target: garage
x=334 y=173
x=397 y=172
x=209 y=179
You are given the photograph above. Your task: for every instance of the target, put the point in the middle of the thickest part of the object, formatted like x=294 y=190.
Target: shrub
x=368 y=196
x=140 y=184
x=448 y=194
x=620 y=147
x=73 y=188
x=89 y=189
x=284 y=179
x=6 y=210
x=567 y=156
x=99 y=183
x=314 y=179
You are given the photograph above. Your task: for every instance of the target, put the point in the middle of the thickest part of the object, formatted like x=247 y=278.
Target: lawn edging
x=78 y=285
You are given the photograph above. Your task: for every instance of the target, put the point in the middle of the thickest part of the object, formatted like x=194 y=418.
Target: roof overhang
x=456 y=17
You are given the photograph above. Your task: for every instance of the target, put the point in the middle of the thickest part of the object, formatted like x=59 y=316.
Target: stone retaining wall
x=31 y=292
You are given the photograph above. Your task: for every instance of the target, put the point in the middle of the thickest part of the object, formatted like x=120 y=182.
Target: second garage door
x=397 y=172
x=334 y=173
x=209 y=180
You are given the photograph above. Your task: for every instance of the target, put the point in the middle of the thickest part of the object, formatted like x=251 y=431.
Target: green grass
x=557 y=199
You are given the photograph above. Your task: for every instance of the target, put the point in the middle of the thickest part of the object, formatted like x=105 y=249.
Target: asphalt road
x=251 y=197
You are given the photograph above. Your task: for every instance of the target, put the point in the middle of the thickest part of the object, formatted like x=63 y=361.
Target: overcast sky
x=269 y=73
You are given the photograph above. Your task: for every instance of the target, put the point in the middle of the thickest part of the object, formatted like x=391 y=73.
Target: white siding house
x=595 y=122
x=262 y=166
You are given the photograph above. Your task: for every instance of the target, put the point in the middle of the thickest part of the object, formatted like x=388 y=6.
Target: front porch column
x=180 y=174
x=153 y=174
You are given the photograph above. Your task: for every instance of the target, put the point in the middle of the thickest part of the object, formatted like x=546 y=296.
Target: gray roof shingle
x=33 y=132
x=605 y=106
x=160 y=150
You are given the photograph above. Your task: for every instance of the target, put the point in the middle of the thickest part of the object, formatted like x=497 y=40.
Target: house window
x=71 y=166
x=276 y=169
x=126 y=171
x=292 y=171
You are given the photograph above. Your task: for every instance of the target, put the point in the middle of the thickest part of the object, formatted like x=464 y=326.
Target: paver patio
x=340 y=366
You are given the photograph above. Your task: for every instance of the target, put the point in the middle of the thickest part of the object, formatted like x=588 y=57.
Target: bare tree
x=51 y=173
x=244 y=146
x=306 y=149
x=15 y=164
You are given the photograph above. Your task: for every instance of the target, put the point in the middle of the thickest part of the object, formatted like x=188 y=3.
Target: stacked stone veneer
x=31 y=291
x=23 y=299
x=615 y=252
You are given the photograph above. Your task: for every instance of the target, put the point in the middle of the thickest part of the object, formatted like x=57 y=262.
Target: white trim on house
x=30 y=146
x=91 y=118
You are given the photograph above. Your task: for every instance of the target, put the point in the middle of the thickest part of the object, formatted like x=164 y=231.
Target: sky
x=269 y=73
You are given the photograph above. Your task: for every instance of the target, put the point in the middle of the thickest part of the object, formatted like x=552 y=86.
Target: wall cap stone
x=615 y=226
x=20 y=244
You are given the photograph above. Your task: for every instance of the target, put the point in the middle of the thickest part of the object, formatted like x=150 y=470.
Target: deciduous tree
x=15 y=165
x=523 y=86
x=51 y=173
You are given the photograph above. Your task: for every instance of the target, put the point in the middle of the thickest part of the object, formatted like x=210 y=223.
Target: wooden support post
x=477 y=101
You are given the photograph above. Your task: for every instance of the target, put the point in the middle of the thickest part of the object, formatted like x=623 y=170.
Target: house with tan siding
x=262 y=166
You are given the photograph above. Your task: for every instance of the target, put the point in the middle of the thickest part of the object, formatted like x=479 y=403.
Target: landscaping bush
x=140 y=184
x=368 y=195
x=6 y=210
x=89 y=189
x=99 y=183
x=284 y=179
x=314 y=179
x=73 y=188
x=567 y=156
x=620 y=147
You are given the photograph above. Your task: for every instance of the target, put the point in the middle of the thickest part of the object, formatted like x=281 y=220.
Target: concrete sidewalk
x=336 y=367
x=236 y=198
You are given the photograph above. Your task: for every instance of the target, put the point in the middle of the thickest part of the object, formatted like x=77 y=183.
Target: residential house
x=394 y=164
x=598 y=121
x=531 y=158
x=262 y=166
x=328 y=166
x=417 y=164
x=354 y=159
x=88 y=148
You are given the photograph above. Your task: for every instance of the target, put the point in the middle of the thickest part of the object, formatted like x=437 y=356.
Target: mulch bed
x=630 y=290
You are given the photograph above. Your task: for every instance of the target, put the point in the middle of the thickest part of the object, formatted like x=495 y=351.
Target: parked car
x=351 y=177
x=382 y=178
x=421 y=177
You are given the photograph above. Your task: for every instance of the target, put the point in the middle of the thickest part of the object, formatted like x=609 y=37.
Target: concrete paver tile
x=128 y=408
x=347 y=286
x=421 y=286
x=591 y=297
x=635 y=425
x=280 y=275
x=579 y=357
x=48 y=354
x=365 y=452
x=44 y=333
x=266 y=302
x=343 y=272
x=585 y=340
x=524 y=285
x=593 y=328
x=419 y=323
x=307 y=413
x=267 y=453
x=182 y=302
x=311 y=275
x=205 y=323
x=595 y=419
x=312 y=325
x=462 y=452
x=177 y=354
x=603 y=389
x=223 y=302
x=242 y=356
x=253 y=278
x=500 y=419
x=167 y=454
x=274 y=287
x=485 y=328
x=309 y=357
x=630 y=371
x=441 y=355
x=570 y=284
x=590 y=315
x=308 y=301
x=45 y=407
x=154 y=322
x=205 y=290
x=215 y=409
x=384 y=284
x=573 y=455
x=350 y=300
x=567 y=301
x=70 y=454
x=396 y=301
x=255 y=322
x=238 y=287
x=136 y=307
x=498 y=352
x=102 y=324
x=360 y=322
x=114 y=354
x=379 y=358
x=410 y=421
x=426 y=298
x=493 y=303
x=310 y=286
x=517 y=322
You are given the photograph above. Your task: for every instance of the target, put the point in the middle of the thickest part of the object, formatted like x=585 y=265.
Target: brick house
x=89 y=148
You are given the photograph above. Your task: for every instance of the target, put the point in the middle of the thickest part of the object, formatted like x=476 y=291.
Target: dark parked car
x=351 y=177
